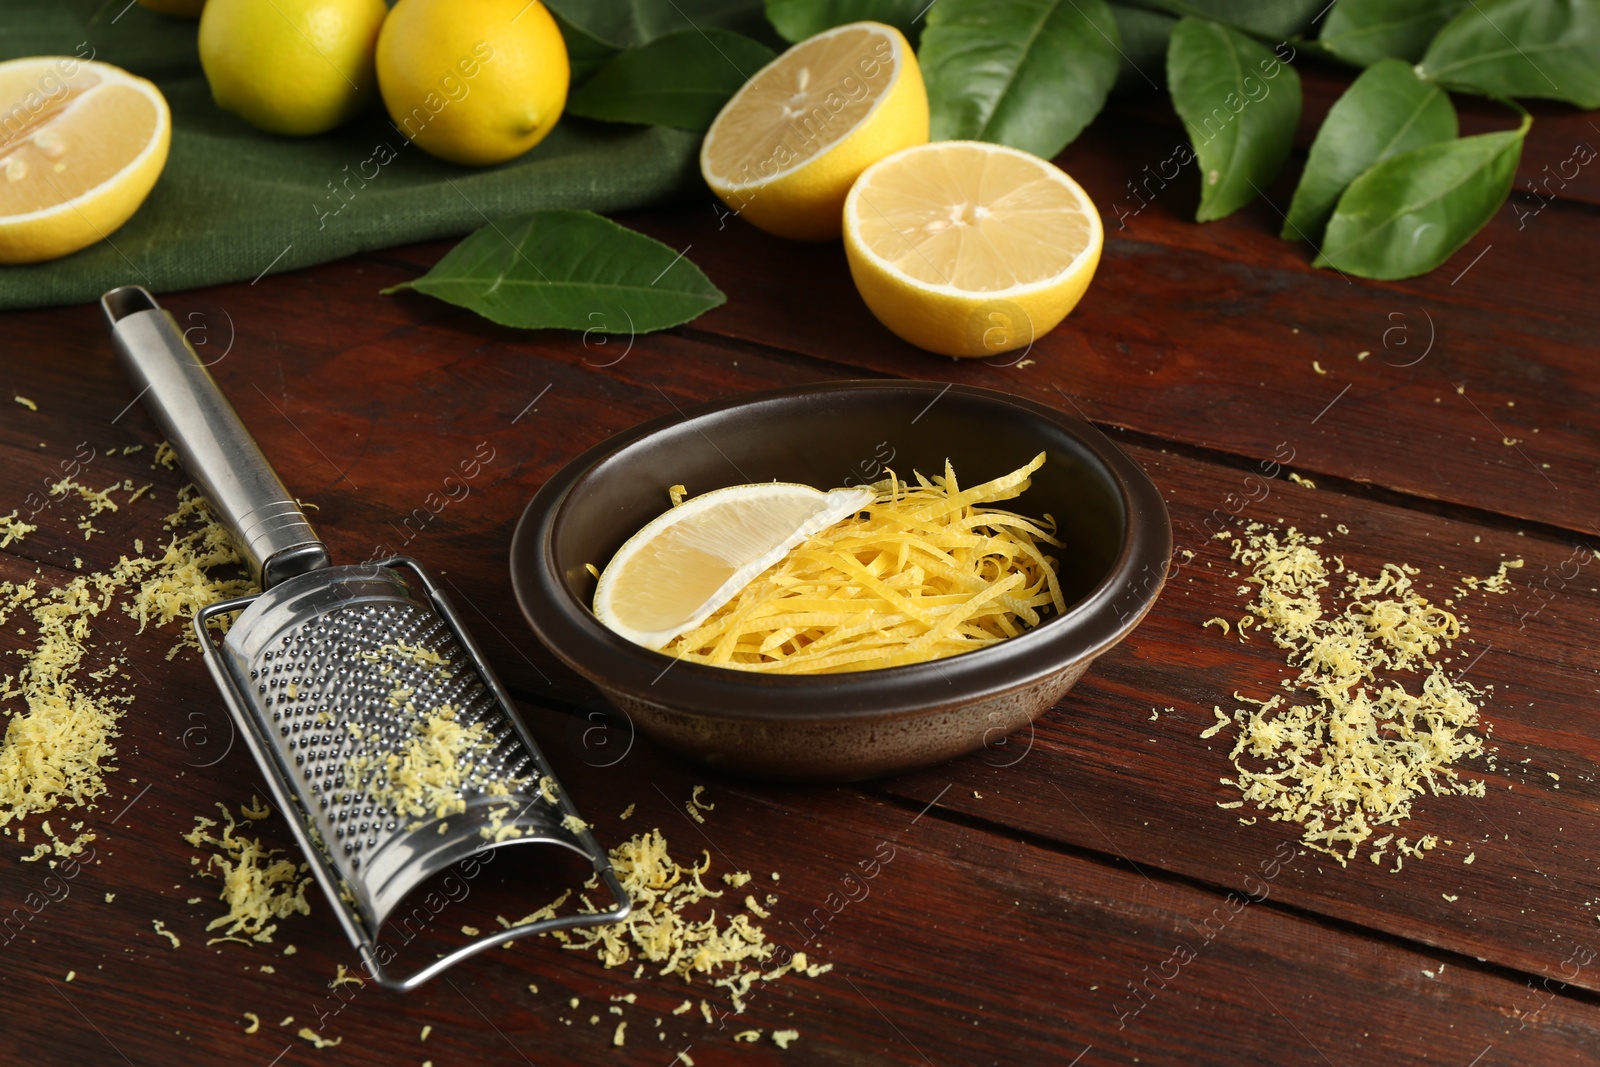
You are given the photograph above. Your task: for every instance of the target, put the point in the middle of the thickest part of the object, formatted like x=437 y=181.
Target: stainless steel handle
x=212 y=444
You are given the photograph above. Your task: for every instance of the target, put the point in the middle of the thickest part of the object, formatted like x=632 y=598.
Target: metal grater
x=333 y=672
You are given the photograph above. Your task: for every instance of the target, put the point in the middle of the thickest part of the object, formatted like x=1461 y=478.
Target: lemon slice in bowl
x=786 y=147
x=670 y=576
x=970 y=249
x=81 y=147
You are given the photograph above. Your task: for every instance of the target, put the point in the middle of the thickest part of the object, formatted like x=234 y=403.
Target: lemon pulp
x=970 y=249
x=785 y=149
x=83 y=147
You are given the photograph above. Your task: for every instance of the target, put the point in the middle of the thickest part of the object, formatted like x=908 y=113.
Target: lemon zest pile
x=662 y=928
x=259 y=884
x=56 y=750
x=13 y=529
x=1359 y=752
x=1498 y=582
x=923 y=573
x=178 y=583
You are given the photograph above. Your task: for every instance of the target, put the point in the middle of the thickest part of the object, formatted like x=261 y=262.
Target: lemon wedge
x=670 y=576
x=786 y=147
x=970 y=249
x=81 y=147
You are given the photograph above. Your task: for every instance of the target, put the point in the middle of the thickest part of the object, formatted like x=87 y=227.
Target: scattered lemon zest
x=161 y=928
x=259 y=884
x=305 y=1033
x=1357 y=753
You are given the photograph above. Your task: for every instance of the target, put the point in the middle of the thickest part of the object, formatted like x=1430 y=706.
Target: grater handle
x=212 y=444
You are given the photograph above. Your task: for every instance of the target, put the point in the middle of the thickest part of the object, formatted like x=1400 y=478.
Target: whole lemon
x=291 y=66
x=477 y=83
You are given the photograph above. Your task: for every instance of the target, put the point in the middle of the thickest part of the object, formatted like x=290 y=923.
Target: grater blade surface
x=402 y=759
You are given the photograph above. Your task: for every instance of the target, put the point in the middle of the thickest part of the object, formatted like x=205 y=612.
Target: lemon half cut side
x=685 y=564
x=785 y=149
x=970 y=249
x=81 y=146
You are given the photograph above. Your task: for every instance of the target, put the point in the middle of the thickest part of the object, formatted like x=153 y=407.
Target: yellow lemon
x=297 y=67
x=970 y=249
x=183 y=9
x=475 y=83
x=670 y=576
x=784 y=151
x=81 y=146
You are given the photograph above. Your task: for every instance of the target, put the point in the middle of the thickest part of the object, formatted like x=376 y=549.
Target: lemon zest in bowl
x=924 y=572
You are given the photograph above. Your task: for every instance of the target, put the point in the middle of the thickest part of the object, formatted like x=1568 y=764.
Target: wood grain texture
x=1033 y=884
x=1217 y=346
x=954 y=943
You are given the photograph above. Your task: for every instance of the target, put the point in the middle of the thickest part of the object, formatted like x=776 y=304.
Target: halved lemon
x=81 y=147
x=784 y=151
x=970 y=249
x=670 y=576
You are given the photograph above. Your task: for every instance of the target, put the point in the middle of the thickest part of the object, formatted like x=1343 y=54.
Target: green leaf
x=569 y=269
x=1026 y=73
x=1239 y=104
x=1144 y=47
x=795 y=20
x=1386 y=111
x=1411 y=212
x=1544 y=48
x=631 y=23
x=681 y=80
x=586 y=53
x=1275 y=19
x=1365 y=31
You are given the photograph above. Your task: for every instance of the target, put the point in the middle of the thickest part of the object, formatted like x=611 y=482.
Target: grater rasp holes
x=346 y=670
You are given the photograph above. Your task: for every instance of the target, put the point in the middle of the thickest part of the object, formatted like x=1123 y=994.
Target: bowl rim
x=1101 y=618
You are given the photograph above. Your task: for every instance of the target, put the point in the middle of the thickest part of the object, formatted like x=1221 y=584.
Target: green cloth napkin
x=234 y=203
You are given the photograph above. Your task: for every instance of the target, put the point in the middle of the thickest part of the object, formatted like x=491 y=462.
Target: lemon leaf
x=1276 y=20
x=1365 y=31
x=586 y=53
x=572 y=270
x=1144 y=47
x=1239 y=104
x=1026 y=73
x=1544 y=48
x=681 y=80
x=1411 y=212
x=1386 y=111
x=795 y=20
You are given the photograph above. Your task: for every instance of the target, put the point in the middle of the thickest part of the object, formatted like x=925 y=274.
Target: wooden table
x=1030 y=891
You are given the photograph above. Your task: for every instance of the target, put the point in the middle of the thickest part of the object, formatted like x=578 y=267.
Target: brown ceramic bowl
x=842 y=727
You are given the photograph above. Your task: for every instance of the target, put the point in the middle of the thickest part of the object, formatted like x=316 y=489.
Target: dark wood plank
x=1210 y=335
x=1009 y=924
x=1103 y=774
x=962 y=946
x=365 y=425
